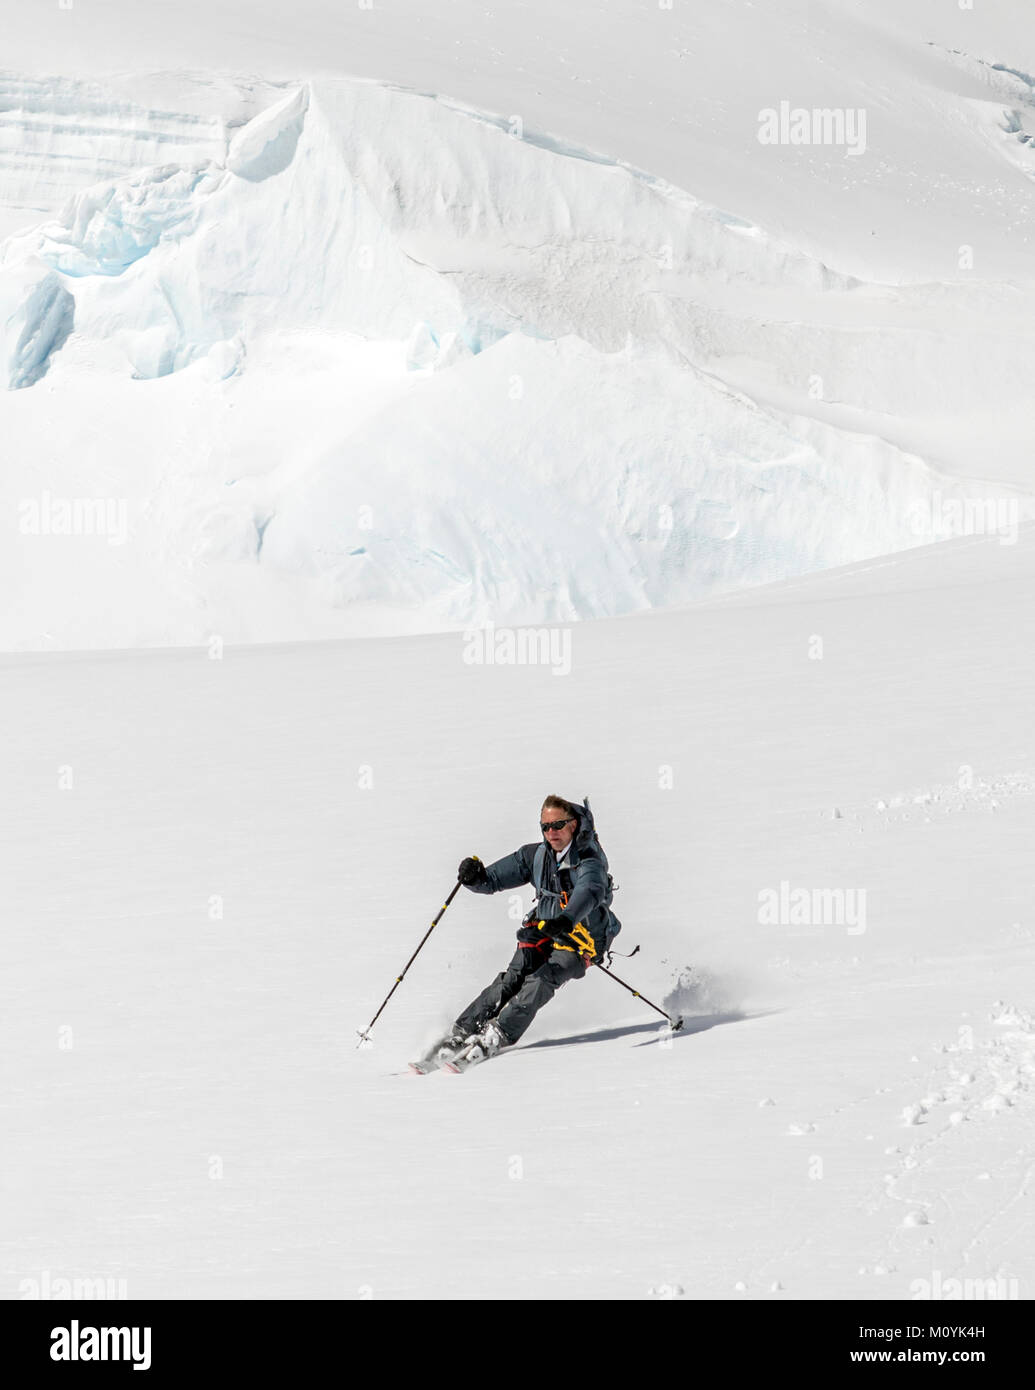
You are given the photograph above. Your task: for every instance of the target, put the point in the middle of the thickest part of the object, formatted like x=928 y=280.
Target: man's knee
x=564 y=966
x=519 y=970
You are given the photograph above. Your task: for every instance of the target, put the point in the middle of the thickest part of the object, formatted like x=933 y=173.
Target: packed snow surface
x=818 y=799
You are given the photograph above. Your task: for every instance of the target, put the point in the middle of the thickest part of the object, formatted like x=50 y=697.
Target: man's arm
x=510 y=872
x=588 y=889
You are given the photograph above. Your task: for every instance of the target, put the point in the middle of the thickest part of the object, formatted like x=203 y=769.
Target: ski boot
x=478 y=1049
x=442 y=1052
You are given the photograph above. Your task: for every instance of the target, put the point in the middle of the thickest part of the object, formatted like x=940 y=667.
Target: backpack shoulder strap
x=537 y=868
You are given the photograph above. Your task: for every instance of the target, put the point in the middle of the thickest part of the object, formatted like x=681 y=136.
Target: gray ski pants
x=518 y=993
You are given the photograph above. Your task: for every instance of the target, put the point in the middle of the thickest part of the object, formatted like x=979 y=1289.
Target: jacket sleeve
x=510 y=872
x=588 y=888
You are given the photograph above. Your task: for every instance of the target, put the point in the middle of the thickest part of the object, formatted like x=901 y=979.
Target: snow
x=477 y=334
x=374 y=349
x=252 y=846
x=36 y=314
x=676 y=91
x=266 y=145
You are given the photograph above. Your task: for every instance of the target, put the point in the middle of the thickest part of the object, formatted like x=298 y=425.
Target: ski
x=462 y=1062
x=469 y=1057
x=490 y=1041
x=436 y=1057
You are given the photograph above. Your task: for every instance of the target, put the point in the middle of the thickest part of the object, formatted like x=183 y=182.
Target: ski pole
x=364 y=1035
x=582 y=942
x=675 y=1026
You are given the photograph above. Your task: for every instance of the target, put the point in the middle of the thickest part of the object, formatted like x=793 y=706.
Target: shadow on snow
x=698 y=1024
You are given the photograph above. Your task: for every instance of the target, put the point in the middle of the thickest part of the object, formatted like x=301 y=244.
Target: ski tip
x=677 y=1025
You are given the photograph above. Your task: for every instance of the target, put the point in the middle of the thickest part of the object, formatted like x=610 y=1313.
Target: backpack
x=539 y=863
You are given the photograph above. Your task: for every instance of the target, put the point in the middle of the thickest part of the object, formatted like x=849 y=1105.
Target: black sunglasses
x=555 y=824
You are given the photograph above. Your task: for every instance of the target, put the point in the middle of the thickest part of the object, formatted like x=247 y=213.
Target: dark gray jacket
x=584 y=877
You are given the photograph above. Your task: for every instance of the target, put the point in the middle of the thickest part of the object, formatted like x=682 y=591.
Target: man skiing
x=570 y=923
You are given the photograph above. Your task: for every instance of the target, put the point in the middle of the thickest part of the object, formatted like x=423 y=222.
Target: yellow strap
x=581 y=935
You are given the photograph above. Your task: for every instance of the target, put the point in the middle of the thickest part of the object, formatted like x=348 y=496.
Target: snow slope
x=219 y=866
x=386 y=352
x=673 y=90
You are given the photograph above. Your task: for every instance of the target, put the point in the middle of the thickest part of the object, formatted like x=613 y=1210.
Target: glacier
x=389 y=358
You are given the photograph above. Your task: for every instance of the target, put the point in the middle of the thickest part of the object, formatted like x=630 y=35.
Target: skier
x=569 y=924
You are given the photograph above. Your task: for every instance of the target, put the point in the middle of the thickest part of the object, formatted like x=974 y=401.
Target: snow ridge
x=525 y=322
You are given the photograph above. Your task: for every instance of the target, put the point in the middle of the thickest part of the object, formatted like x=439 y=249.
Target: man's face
x=557 y=839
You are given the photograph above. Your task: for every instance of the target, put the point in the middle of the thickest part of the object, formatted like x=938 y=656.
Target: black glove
x=471 y=871
x=557 y=927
